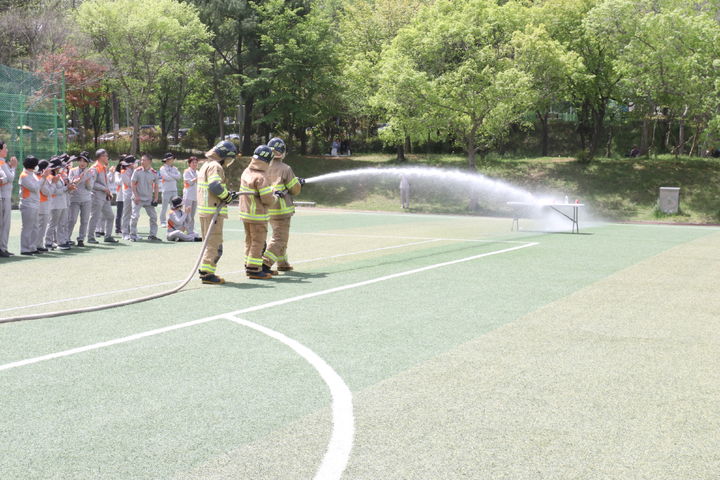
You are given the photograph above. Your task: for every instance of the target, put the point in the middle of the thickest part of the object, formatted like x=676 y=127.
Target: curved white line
x=341 y=441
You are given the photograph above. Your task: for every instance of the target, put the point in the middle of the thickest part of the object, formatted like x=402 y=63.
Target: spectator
x=335 y=146
x=634 y=151
x=7 y=176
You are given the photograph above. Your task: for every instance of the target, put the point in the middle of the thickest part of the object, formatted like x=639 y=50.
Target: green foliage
x=144 y=41
x=452 y=70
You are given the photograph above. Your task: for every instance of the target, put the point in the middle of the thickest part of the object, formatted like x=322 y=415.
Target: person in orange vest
x=55 y=234
x=285 y=184
x=7 y=177
x=101 y=209
x=257 y=197
x=30 y=186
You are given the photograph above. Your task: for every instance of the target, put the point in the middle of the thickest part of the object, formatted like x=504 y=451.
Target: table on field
x=567 y=210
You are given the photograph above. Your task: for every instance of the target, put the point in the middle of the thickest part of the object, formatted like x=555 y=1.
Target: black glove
x=301 y=181
x=279 y=193
x=153 y=203
x=231 y=197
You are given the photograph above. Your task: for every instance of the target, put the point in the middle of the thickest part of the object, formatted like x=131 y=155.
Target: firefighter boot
x=211 y=278
x=258 y=274
x=268 y=269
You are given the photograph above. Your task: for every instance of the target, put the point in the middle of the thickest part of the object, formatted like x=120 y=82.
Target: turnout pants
x=5 y=212
x=255 y=237
x=29 y=227
x=83 y=208
x=102 y=215
x=277 y=248
x=213 y=250
x=56 y=230
x=136 y=216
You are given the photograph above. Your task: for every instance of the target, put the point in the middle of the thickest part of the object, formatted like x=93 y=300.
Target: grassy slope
x=616 y=188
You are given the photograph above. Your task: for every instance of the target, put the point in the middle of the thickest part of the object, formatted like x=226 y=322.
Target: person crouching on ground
x=285 y=184
x=178 y=221
x=257 y=196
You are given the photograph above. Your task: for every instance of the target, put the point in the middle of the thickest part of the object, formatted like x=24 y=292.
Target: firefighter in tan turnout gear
x=286 y=184
x=213 y=193
x=257 y=196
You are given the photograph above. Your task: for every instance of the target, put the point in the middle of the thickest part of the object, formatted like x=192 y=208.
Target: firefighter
x=213 y=193
x=257 y=196
x=286 y=184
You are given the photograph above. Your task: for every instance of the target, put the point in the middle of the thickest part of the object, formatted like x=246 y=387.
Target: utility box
x=669 y=201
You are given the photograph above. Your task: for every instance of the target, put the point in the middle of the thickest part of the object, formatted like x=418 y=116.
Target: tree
x=143 y=42
x=452 y=70
x=668 y=50
x=297 y=85
x=553 y=70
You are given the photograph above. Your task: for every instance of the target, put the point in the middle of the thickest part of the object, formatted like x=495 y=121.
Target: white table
x=567 y=210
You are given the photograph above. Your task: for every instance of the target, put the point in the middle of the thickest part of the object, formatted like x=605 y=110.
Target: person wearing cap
x=30 y=186
x=190 y=192
x=177 y=224
x=213 y=195
x=286 y=184
x=169 y=176
x=55 y=233
x=7 y=177
x=102 y=213
x=128 y=168
x=257 y=196
x=80 y=186
x=145 y=189
x=43 y=171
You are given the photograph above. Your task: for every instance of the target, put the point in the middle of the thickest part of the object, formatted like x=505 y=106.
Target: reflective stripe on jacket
x=282 y=178
x=253 y=208
x=207 y=201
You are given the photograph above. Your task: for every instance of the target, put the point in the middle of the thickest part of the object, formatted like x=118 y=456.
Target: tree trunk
x=408 y=144
x=302 y=136
x=135 y=143
x=608 y=145
x=115 y=111
x=221 y=120
x=247 y=146
x=545 y=135
x=400 y=152
x=645 y=136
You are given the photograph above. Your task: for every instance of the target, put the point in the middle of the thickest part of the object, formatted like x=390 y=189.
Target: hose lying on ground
x=132 y=301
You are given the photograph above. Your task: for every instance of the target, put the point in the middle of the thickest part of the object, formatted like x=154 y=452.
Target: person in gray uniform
x=43 y=171
x=126 y=172
x=145 y=189
x=169 y=176
x=7 y=177
x=55 y=234
x=101 y=196
x=30 y=186
x=80 y=202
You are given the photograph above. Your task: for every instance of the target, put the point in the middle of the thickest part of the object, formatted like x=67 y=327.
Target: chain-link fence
x=32 y=113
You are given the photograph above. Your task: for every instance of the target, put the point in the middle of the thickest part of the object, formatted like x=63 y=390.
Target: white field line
x=142 y=287
x=256 y=308
x=440 y=239
x=343 y=430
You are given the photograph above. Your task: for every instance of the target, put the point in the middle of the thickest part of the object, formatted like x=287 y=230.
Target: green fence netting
x=32 y=113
